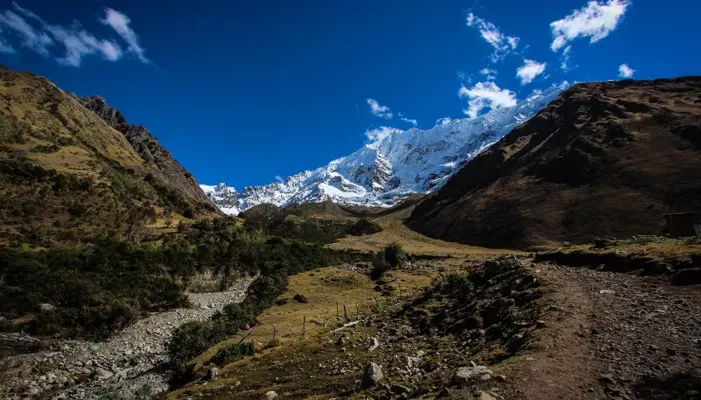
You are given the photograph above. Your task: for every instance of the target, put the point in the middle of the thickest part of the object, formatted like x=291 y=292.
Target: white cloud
x=501 y=43
x=411 y=121
x=624 y=71
x=279 y=179
x=379 y=111
x=595 y=21
x=120 y=23
x=529 y=70
x=443 y=121
x=30 y=37
x=565 y=59
x=81 y=43
x=408 y=120
x=490 y=74
x=377 y=134
x=486 y=95
x=77 y=42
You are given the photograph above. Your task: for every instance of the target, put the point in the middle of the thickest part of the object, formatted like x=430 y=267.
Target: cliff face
x=603 y=159
x=148 y=148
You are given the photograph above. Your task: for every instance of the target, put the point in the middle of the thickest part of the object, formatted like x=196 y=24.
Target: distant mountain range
x=385 y=172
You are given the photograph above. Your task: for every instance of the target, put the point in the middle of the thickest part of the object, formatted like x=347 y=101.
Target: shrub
x=394 y=255
x=458 y=286
x=391 y=256
x=379 y=267
x=228 y=354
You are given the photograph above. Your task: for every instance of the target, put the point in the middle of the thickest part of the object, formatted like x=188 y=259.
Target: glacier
x=384 y=172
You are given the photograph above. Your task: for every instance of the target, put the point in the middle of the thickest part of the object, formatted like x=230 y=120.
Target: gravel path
x=611 y=335
x=127 y=363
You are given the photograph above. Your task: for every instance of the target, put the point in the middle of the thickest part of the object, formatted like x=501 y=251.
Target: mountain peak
x=384 y=172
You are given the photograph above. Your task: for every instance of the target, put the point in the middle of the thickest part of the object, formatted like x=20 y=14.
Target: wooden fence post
x=345 y=312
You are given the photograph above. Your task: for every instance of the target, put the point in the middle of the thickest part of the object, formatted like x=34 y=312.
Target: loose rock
x=372 y=375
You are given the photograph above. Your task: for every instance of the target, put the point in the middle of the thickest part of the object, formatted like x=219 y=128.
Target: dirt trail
x=125 y=364
x=613 y=336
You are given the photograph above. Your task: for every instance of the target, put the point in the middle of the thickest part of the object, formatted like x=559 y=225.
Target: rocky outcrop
x=607 y=159
x=148 y=147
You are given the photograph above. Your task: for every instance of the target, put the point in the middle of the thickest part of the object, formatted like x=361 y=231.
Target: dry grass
x=660 y=248
x=414 y=243
x=326 y=288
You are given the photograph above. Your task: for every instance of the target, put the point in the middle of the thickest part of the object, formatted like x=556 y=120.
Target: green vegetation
x=191 y=340
x=232 y=353
x=289 y=224
x=390 y=257
x=458 y=286
x=95 y=289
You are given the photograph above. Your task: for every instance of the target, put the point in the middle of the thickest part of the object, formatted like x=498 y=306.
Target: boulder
x=465 y=375
x=372 y=375
x=374 y=344
x=270 y=395
x=213 y=373
x=300 y=298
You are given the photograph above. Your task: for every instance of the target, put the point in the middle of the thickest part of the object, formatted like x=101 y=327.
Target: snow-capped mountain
x=386 y=171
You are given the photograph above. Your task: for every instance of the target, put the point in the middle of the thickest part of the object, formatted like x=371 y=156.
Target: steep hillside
x=389 y=170
x=603 y=159
x=67 y=176
x=148 y=147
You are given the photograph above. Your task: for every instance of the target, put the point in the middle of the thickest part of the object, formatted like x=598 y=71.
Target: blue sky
x=245 y=91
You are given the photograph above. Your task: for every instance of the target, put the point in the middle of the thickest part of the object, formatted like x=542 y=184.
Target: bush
x=391 y=256
x=458 y=286
x=232 y=353
x=394 y=255
x=379 y=267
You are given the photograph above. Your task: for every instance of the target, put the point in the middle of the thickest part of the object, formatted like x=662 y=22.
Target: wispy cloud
x=486 y=95
x=6 y=48
x=443 y=121
x=502 y=44
x=529 y=70
x=377 y=134
x=29 y=37
x=279 y=179
x=595 y=21
x=624 y=71
x=407 y=120
x=489 y=74
x=379 y=111
x=565 y=59
x=120 y=23
x=77 y=42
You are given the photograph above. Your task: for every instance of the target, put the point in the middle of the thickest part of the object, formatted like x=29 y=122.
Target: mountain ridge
x=389 y=170
x=67 y=176
x=605 y=159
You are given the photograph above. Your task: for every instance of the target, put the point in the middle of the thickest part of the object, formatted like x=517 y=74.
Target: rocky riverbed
x=126 y=366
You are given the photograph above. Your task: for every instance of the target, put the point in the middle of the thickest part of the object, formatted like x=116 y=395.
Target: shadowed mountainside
x=603 y=159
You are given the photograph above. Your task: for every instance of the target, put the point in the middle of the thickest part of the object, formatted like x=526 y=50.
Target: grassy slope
x=66 y=176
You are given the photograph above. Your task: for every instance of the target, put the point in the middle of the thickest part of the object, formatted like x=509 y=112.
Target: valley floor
x=525 y=328
x=582 y=333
